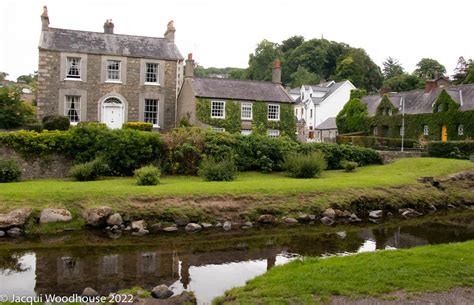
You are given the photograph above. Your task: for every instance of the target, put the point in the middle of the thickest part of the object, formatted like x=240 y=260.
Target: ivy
x=386 y=107
x=260 y=124
x=444 y=102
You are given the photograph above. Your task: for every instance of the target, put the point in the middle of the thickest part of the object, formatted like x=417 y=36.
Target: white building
x=316 y=103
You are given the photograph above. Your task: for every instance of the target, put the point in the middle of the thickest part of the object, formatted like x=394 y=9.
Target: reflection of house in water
x=392 y=237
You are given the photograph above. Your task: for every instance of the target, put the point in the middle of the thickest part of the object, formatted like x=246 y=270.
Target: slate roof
x=108 y=44
x=329 y=123
x=246 y=90
x=417 y=101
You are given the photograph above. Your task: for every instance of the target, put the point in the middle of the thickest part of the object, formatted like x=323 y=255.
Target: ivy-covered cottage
x=243 y=106
x=439 y=113
x=108 y=77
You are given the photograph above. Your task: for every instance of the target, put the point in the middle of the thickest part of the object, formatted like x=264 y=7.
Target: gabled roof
x=417 y=101
x=328 y=88
x=329 y=123
x=248 y=90
x=108 y=44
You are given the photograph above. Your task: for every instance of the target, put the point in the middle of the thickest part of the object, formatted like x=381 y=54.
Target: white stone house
x=316 y=103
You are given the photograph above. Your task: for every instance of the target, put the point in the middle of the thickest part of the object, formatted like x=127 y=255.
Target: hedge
x=451 y=149
x=142 y=126
x=377 y=142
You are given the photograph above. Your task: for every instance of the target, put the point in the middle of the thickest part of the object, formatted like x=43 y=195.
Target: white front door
x=112 y=113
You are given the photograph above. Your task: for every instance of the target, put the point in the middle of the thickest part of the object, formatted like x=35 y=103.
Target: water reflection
x=208 y=270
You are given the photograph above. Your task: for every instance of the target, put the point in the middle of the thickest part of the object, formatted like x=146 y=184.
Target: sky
x=223 y=33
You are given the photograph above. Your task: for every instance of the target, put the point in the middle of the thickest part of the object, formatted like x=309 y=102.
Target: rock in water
x=227 y=226
x=192 y=227
x=138 y=224
x=161 y=292
x=170 y=229
x=89 y=292
x=114 y=220
x=376 y=214
x=265 y=218
x=54 y=215
x=290 y=220
x=97 y=217
x=14 y=232
x=330 y=213
x=16 y=217
x=327 y=221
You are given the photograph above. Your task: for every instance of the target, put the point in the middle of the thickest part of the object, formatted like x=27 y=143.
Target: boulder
x=2 y=233
x=329 y=213
x=409 y=213
x=339 y=213
x=218 y=225
x=265 y=218
x=247 y=225
x=376 y=214
x=432 y=207
x=193 y=227
x=14 y=232
x=155 y=228
x=89 y=292
x=161 y=292
x=170 y=229
x=138 y=224
x=54 y=215
x=185 y=298
x=206 y=225
x=140 y=232
x=16 y=217
x=227 y=226
x=346 y=214
x=328 y=221
x=181 y=220
x=354 y=218
x=97 y=217
x=304 y=218
x=290 y=221
x=114 y=220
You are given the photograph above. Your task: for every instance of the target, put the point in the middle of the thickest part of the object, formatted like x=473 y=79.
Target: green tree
x=403 y=82
x=469 y=74
x=392 y=68
x=303 y=76
x=353 y=117
x=357 y=67
x=13 y=112
x=3 y=76
x=460 y=72
x=429 y=68
x=27 y=79
x=261 y=62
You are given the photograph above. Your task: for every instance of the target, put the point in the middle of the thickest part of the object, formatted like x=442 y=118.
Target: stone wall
x=50 y=167
x=390 y=156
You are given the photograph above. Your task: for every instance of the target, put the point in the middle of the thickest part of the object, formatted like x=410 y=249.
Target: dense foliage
x=89 y=171
x=428 y=68
x=9 y=170
x=377 y=142
x=349 y=166
x=222 y=170
x=56 y=122
x=147 y=175
x=301 y=165
x=392 y=68
x=403 y=82
x=13 y=111
x=451 y=149
x=353 y=117
x=142 y=126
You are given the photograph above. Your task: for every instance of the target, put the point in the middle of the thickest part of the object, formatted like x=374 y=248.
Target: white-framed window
x=296 y=112
x=218 y=129
x=246 y=111
x=217 y=109
x=113 y=70
x=375 y=130
x=426 y=130
x=150 y=113
x=151 y=73
x=246 y=132
x=460 y=130
x=273 y=133
x=73 y=67
x=72 y=108
x=273 y=112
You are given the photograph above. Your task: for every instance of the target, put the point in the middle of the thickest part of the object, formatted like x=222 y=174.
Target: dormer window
x=73 y=68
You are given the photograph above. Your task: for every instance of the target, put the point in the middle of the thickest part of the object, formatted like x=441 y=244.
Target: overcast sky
x=223 y=33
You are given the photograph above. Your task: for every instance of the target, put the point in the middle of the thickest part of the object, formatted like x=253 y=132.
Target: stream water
x=207 y=263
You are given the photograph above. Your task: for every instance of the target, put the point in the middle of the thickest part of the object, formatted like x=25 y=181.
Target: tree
x=13 y=112
x=27 y=79
x=403 y=82
x=391 y=68
x=357 y=67
x=469 y=79
x=429 y=68
x=353 y=117
x=303 y=76
x=460 y=72
x=3 y=76
x=261 y=62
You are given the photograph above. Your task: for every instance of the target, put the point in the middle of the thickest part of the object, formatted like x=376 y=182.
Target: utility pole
x=403 y=121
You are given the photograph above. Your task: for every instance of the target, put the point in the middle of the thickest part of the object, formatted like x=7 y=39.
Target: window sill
x=73 y=79
x=113 y=81
x=245 y=119
x=73 y=123
x=152 y=84
x=274 y=120
x=217 y=117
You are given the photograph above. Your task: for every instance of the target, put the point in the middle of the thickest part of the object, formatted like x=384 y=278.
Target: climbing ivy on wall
x=260 y=123
x=385 y=106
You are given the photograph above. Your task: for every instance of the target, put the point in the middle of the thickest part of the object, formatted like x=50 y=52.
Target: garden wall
x=51 y=166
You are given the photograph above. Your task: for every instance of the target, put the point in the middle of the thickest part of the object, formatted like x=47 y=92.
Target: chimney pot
x=190 y=56
x=45 y=19
x=430 y=85
x=170 y=30
x=108 y=26
x=189 y=68
x=276 y=73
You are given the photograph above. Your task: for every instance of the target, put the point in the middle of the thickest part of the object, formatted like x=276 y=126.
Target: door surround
x=102 y=100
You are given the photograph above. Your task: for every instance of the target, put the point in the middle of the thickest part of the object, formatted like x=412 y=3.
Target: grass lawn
x=38 y=193
x=428 y=268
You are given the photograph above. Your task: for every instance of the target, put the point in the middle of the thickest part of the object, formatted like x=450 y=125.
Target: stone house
x=314 y=104
x=108 y=77
x=233 y=105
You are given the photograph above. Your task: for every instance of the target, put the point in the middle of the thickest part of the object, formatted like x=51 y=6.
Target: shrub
x=147 y=175
x=142 y=126
x=349 y=166
x=89 y=171
x=305 y=165
x=451 y=149
x=9 y=170
x=38 y=127
x=13 y=111
x=212 y=170
x=56 y=122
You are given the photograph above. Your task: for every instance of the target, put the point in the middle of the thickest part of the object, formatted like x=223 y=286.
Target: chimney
x=276 y=73
x=383 y=91
x=108 y=26
x=170 y=29
x=189 y=68
x=45 y=19
x=430 y=85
